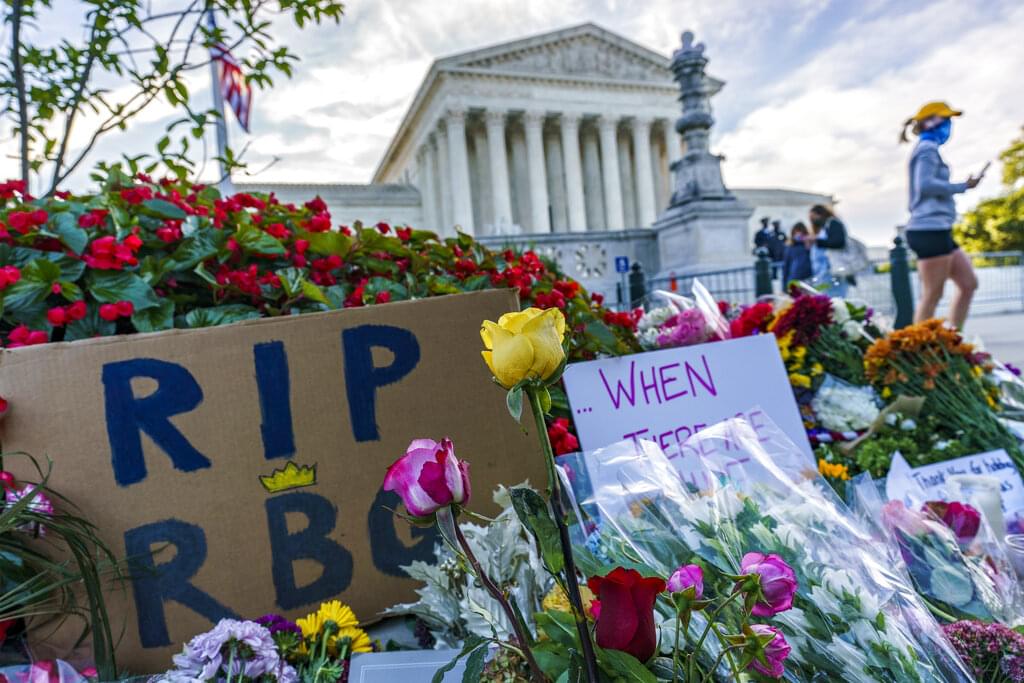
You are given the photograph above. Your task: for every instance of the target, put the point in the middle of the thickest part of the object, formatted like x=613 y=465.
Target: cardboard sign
x=666 y=396
x=241 y=466
x=908 y=483
x=410 y=666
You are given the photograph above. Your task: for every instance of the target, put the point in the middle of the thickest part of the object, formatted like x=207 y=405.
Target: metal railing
x=888 y=285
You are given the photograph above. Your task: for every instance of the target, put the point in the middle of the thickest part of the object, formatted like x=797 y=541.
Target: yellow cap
x=935 y=109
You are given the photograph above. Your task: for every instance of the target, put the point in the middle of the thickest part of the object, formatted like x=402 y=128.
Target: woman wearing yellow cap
x=932 y=214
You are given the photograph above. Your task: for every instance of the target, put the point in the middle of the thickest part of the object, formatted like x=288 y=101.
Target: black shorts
x=931 y=243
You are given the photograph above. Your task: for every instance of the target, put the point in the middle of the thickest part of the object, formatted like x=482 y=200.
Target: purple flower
x=986 y=648
x=775 y=651
x=687 y=576
x=208 y=655
x=777 y=579
x=1012 y=368
x=275 y=623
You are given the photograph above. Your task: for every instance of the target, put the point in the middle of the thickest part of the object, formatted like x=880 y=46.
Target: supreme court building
x=578 y=142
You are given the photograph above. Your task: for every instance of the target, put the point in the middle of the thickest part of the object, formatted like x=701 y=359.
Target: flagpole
x=221 y=124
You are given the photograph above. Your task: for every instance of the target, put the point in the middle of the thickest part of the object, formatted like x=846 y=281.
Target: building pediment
x=584 y=52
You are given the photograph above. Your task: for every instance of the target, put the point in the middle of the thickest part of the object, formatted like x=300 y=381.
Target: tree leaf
x=163 y=209
x=111 y=286
x=514 y=402
x=532 y=511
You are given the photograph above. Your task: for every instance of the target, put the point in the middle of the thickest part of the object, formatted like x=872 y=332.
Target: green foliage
x=533 y=513
x=62 y=578
x=126 y=57
x=998 y=224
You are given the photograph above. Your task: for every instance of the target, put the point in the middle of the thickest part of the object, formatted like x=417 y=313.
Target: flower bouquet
x=955 y=561
x=673 y=320
x=853 y=618
x=931 y=360
x=992 y=652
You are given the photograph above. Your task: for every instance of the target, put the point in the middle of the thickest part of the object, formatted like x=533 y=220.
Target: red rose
x=562 y=440
x=626 y=620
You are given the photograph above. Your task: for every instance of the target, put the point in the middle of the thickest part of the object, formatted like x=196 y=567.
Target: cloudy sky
x=815 y=89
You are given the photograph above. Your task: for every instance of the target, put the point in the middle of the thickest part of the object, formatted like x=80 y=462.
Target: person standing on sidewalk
x=932 y=214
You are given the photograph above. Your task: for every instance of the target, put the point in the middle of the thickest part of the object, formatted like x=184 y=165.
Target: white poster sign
x=407 y=666
x=936 y=482
x=668 y=395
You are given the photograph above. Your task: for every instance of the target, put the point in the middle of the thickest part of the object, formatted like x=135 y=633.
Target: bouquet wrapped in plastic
x=854 y=617
x=952 y=556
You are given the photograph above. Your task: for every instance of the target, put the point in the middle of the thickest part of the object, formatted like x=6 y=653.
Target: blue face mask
x=940 y=133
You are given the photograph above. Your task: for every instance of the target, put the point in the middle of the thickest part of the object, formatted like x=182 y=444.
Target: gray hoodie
x=931 y=193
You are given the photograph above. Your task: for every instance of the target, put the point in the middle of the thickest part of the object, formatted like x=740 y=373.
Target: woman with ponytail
x=932 y=214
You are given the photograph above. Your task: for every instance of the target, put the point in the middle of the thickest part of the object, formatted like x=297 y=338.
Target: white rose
x=853 y=329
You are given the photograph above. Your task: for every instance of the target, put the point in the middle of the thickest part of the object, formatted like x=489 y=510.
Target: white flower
x=941 y=445
x=845 y=408
x=839 y=581
x=891 y=419
x=840 y=311
x=864 y=632
x=791 y=535
x=825 y=601
x=853 y=329
x=655 y=318
x=908 y=425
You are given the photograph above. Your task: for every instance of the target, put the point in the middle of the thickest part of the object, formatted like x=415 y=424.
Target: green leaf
x=196 y=249
x=90 y=326
x=291 y=280
x=474 y=672
x=254 y=240
x=163 y=209
x=626 y=666
x=471 y=643
x=532 y=511
x=560 y=627
x=551 y=658
x=219 y=315
x=314 y=293
x=41 y=270
x=514 y=401
x=328 y=243
x=602 y=334
x=65 y=227
x=155 y=319
x=111 y=286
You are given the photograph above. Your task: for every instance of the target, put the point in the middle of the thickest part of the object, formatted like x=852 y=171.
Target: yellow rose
x=524 y=345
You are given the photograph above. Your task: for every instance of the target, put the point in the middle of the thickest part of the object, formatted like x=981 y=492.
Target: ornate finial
x=687 y=40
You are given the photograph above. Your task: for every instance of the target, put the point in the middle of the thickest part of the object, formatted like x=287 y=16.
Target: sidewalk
x=1002 y=335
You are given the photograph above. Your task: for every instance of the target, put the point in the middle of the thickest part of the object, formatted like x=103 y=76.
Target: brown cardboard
x=59 y=407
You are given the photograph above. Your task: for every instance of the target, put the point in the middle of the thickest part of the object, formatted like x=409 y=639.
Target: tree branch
x=18 y=74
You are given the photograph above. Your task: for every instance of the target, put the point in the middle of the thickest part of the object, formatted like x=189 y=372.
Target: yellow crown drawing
x=291 y=476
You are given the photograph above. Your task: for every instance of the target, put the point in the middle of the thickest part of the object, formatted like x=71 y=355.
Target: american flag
x=236 y=92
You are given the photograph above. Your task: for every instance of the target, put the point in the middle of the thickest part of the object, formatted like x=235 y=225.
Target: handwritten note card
x=666 y=396
x=932 y=481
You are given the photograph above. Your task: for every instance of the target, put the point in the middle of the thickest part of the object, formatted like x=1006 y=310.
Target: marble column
x=660 y=134
x=645 y=201
x=573 y=172
x=556 y=183
x=480 y=179
x=501 y=191
x=624 y=142
x=592 y=194
x=444 y=177
x=533 y=122
x=425 y=183
x=614 y=219
x=458 y=163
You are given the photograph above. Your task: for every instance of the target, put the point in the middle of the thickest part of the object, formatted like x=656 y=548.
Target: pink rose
x=896 y=515
x=774 y=652
x=687 y=576
x=429 y=477
x=777 y=579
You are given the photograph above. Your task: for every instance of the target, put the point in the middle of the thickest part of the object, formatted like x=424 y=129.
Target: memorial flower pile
x=993 y=652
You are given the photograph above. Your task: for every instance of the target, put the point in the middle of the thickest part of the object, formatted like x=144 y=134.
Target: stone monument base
x=703 y=232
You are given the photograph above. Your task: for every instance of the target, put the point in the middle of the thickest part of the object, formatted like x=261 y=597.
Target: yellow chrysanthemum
x=358 y=640
x=833 y=470
x=340 y=615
